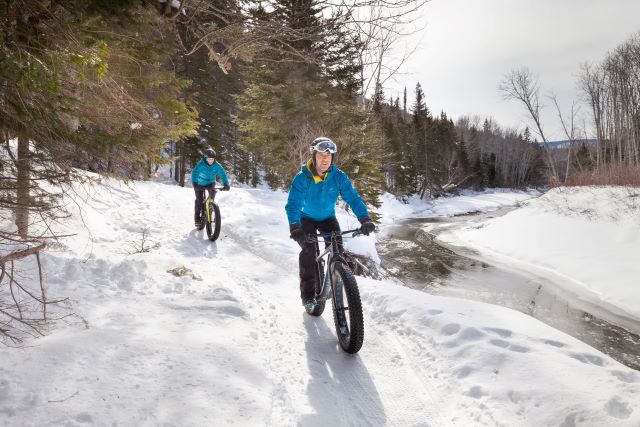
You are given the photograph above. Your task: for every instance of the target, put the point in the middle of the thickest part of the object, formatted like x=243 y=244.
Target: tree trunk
x=181 y=163
x=23 y=184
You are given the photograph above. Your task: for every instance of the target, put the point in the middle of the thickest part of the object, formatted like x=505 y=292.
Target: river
x=411 y=252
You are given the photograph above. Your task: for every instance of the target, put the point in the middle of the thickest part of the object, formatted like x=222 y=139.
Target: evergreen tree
x=478 y=175
x=378 y=100
x=212 y=95
x=462 y=158
x=93 y=96
x=489 y=169
x=404 y=101
x=422 y=121
x=289 y=102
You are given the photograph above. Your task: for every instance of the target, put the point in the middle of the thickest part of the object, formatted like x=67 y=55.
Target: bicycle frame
x=211 y=213
x=211 y=198
x=333 y=255
x=339 y=285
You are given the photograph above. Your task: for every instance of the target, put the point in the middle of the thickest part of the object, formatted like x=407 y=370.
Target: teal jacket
x=204 y=174
x=315 y=198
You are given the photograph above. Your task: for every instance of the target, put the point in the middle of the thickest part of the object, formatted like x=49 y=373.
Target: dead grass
x=612 y=175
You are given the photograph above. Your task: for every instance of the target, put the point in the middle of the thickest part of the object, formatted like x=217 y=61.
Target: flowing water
x=412 y=253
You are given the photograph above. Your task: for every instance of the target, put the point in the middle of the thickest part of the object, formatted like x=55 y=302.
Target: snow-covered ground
x=228 y=343
x=586 y=240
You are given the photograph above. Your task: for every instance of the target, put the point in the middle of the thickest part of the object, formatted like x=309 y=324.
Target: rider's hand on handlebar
x=225 y=187
x=297 y=234
x=367 y=225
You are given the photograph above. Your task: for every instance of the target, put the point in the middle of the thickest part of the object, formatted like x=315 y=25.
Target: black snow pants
x=307 y=258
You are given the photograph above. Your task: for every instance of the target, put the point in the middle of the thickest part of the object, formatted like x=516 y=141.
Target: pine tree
x=478 y=175
x=289 y=102
x=422 y=121
x=378 y=100
x=212 y=95
x=462 y=158
x=93 y=96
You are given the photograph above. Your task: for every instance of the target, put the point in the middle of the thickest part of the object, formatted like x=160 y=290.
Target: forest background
x=122 y=87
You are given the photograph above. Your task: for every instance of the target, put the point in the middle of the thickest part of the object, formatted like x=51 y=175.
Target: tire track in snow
x=314 y=381
x=353 y=389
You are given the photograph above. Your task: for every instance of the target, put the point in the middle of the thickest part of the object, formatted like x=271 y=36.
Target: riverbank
x=585 y=239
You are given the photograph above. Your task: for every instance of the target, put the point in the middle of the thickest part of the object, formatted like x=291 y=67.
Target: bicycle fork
x=325 y=290
x=327 y=283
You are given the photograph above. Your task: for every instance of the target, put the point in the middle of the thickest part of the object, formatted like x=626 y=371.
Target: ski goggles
x=324 y=146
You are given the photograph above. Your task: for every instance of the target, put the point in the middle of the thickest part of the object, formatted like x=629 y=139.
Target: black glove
x=225 y=187
x=367 y=225
x=297 y=234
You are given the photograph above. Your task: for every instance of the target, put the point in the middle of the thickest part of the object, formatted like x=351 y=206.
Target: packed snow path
x=228 y=343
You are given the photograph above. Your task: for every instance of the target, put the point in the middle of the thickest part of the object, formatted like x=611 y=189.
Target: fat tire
x=350 y=331
x=213 y=226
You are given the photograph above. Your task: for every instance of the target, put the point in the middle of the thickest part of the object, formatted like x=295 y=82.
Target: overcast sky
x=467 y=46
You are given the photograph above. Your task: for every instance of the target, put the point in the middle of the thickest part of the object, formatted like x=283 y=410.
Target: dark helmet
x=210 y=153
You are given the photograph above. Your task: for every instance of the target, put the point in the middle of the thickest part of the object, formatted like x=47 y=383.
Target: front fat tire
x=213 y=227
x=350 y=329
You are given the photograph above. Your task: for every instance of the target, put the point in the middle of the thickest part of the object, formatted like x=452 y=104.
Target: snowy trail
x=228 y=343
x=315 y=382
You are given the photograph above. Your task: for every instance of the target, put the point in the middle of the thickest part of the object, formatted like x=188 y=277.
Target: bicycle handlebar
x=211 y=187
x=332 y=234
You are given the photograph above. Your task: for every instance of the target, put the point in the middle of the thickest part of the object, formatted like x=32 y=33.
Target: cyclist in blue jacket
x=204 y=175
x=311 y=207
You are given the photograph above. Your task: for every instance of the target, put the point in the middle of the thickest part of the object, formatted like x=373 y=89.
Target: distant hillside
x=565 y=143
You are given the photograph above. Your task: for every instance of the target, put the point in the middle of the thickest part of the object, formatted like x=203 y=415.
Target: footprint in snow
x=450 y=329
x=588 y=358
x=519 y=348
x=471 y=334
x=500 y=343
x=627 y=377
x=220 y=294
x=219 y=309
x=477 y=392
x=618 y=408
x=464 y=372
x=502 y=333
x=554 y=343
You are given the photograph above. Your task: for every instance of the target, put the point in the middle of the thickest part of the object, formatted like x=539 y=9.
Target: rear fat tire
x=349 y=323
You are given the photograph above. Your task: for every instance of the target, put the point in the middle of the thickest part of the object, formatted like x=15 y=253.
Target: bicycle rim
x=347 y=309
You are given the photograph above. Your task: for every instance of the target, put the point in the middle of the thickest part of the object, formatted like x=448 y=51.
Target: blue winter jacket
x=204 y=174
x=315 y=198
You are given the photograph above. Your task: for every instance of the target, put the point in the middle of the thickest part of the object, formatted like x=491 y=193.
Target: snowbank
x=585 y=239
x=195 y=333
